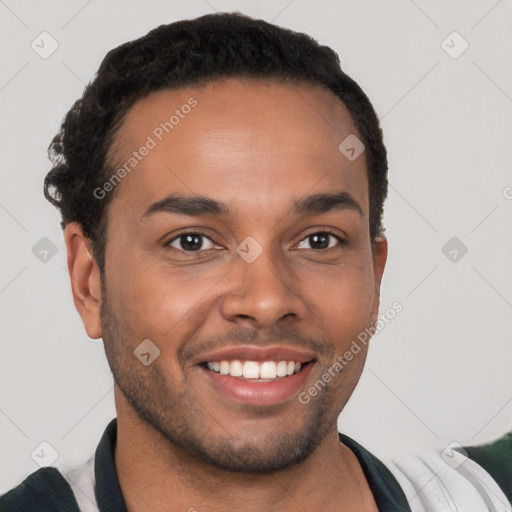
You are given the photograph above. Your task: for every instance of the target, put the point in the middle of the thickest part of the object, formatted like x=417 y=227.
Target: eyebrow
x=200 y=205
x=324 y=203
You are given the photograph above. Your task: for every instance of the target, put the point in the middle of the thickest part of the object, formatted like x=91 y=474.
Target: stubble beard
x=183 y=421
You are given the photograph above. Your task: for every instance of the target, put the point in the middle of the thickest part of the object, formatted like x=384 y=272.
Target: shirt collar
x=107 y=490
x=386 y=490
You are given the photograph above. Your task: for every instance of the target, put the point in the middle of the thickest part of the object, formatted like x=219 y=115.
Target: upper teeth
x=255 y=369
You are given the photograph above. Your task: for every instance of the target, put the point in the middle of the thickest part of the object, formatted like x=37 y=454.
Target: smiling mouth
x=257 y=371
x=258 y=379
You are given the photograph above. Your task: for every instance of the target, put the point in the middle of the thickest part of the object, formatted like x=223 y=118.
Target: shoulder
x=45 y=490
x=446 y=481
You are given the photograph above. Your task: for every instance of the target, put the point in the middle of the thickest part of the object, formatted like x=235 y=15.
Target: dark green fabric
x=108 y=491
x=386 y=490
x=43 y=491
x=496 y=459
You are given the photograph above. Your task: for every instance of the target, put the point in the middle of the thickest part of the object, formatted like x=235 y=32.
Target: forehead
x=240 y=141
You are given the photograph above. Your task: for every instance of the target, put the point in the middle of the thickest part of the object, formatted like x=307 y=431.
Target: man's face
x=260 y=282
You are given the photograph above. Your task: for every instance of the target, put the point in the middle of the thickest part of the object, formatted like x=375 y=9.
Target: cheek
x=163 y=302
x=343 y=296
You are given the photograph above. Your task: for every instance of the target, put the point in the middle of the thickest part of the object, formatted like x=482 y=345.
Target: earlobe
x=380 y=255
x=85 y=279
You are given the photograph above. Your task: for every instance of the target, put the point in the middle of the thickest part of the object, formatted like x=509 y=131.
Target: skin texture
x=257 y=146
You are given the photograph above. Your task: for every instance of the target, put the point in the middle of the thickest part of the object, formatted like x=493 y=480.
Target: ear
x=85 y=279
x=380 y=255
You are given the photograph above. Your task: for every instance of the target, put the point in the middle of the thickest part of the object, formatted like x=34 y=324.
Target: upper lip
x=254 y=353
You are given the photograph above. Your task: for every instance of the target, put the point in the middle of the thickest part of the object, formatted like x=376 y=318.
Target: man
x=221 y=184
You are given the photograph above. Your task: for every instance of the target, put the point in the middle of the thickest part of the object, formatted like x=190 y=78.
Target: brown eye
x=191 y=242
x=321 y=240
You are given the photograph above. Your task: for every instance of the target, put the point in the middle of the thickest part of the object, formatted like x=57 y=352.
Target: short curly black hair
x=188 y=53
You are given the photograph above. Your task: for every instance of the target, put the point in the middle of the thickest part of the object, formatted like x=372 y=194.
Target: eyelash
x=323 y=231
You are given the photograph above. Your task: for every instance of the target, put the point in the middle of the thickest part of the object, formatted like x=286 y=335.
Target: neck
x=154 y=474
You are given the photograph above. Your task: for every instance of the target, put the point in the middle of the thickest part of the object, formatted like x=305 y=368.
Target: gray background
x=440 y=371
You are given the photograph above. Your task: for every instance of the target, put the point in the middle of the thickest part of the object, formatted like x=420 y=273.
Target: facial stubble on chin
x=182 y=419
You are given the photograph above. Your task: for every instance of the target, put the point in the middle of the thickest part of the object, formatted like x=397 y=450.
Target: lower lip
x=259 y=393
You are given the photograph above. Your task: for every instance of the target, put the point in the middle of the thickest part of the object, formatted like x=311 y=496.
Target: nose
x=264 y=291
